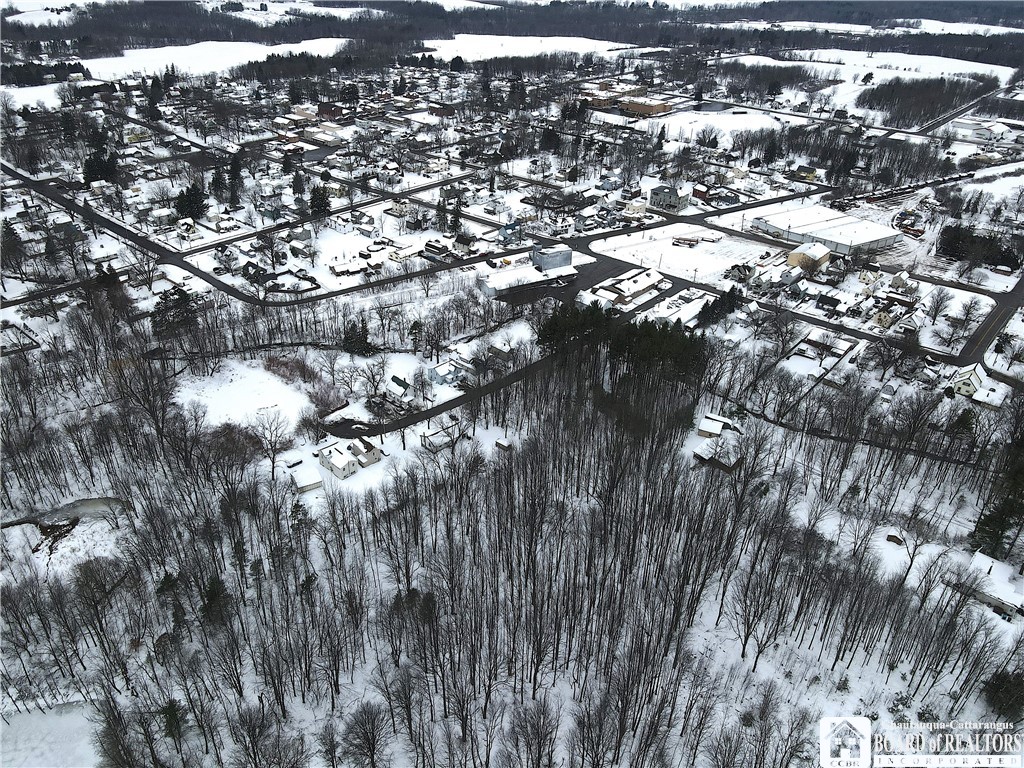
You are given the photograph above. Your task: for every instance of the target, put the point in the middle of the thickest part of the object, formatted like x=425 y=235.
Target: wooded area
x=474 y=611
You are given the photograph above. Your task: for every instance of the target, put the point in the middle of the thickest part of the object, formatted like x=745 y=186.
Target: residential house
x=967 y=381
x=740 y=273
x=911 y=323
x=885 y=315
x=463 y=244
x=791 y=275
x=869 y=274
x=721 y=453
x=712 y=425
x=805 y=173
x=337 y=461
x=1001 y=586
x=669 y=199
x=446 y=372
x=364 y=452
x=398 y=391
x=828 y=304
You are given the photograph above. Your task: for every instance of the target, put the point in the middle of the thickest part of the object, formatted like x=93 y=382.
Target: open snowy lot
x=703 y=263
x=239 y=391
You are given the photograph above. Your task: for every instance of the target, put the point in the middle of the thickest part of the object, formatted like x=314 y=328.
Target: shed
x=306 y=477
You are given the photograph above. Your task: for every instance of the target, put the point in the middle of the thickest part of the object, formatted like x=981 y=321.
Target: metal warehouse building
x=840 y=232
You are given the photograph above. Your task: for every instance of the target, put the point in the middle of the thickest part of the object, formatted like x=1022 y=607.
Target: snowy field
x=61 y=738
x=47 y=94
x=476 y=47
x=239 y=391
x=703 y=263
x=201 y=57
x=684 y=126
x=999 y=181
x=851 y=66
x=902 y=64
x=41 y=18
x=927 y=26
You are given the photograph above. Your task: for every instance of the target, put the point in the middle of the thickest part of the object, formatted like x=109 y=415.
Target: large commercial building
x=840 y=232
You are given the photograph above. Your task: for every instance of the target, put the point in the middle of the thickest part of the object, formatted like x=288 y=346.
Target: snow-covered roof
x=1001 y=580
x=306 y=476
x=828 y=224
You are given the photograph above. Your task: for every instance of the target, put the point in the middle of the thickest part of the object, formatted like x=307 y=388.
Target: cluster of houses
x=460 y=363
x=813 y=272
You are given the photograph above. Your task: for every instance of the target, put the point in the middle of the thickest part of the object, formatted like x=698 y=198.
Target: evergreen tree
x=235 y=179
x=441 y=215
x=219 y=185
x=12 y=248
x=319 y=205
x=191 y=203
x=175 y=311
x=100 y=167
x=456 y=221
x=298 y=184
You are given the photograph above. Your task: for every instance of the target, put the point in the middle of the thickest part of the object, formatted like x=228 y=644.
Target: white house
x=968 y=380
x=345 y=462
x=364 y=452
x=338 y=462
x=1001 y=586
x=991 y=131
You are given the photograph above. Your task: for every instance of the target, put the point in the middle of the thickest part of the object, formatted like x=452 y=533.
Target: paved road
x=938 y=122
x=347 y=429
x=973 y=351
x=166 y=256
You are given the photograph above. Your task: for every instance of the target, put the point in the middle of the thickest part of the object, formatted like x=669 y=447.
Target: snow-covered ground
x=239 y=391
x=703 y=263
x=685 y=125
x=999 y=181
x=41 y=17
x=927 y=26
x=475 y=47
x=906 y=65
x=47 y=94
x=91 y=537
x=850 y=66
x=60 y=738
x=1003 y=361
x=203 y=57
